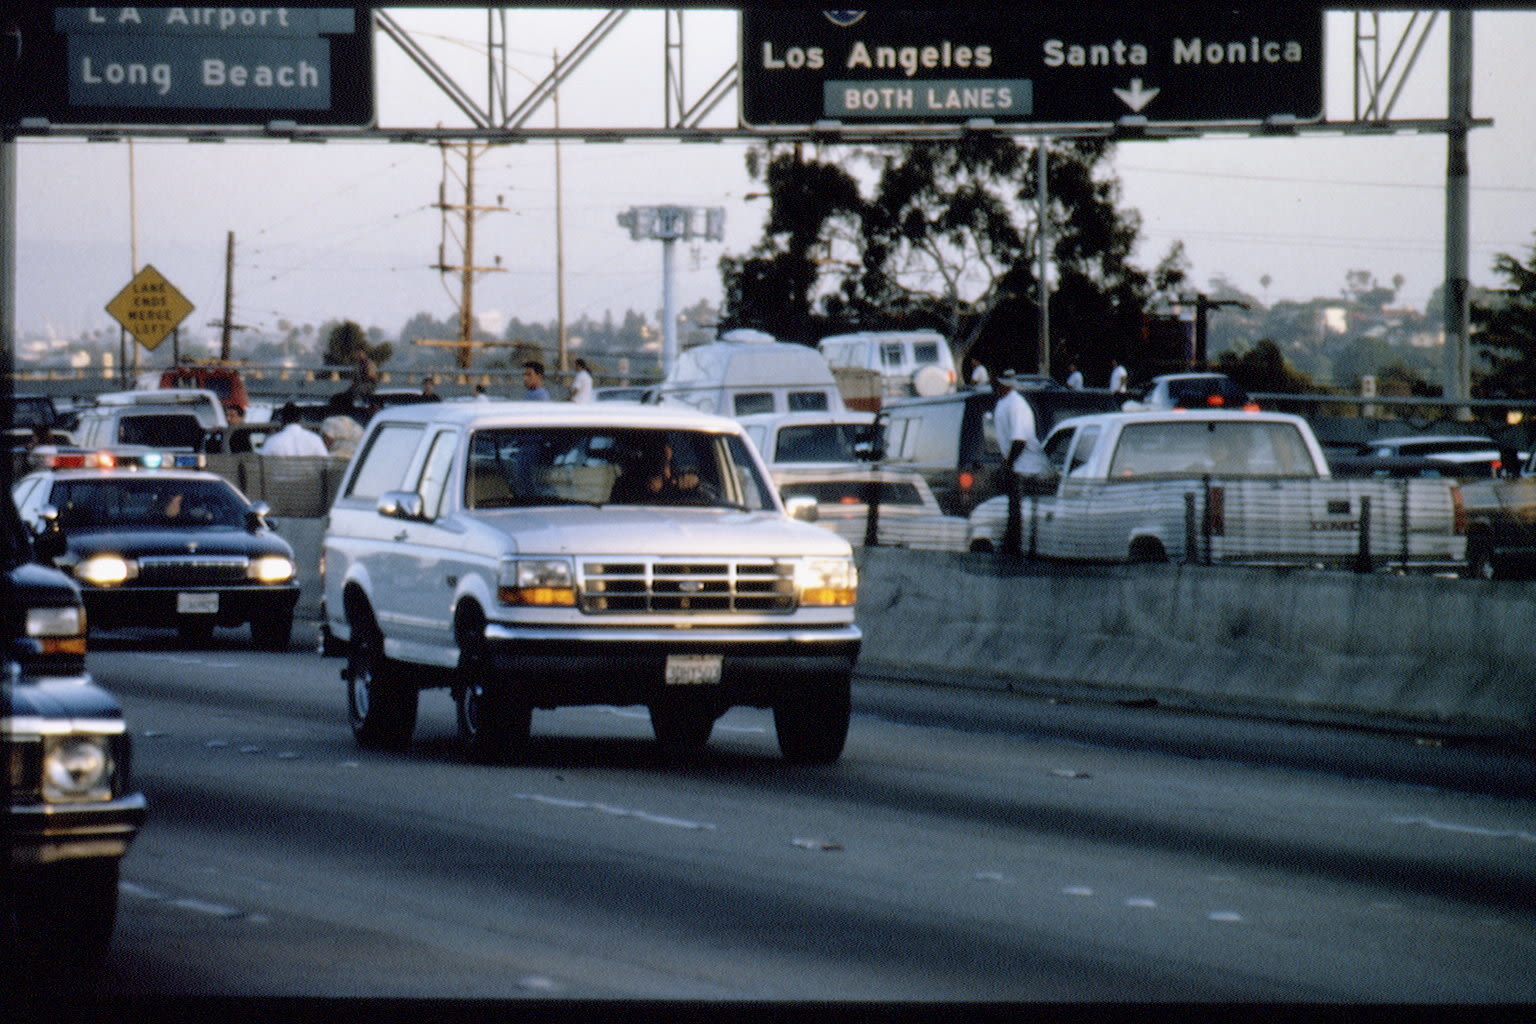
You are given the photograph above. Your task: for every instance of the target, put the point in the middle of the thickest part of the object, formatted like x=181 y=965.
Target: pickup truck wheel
x=380 y=706
x=1480 y=564
x=812 y=724
x=494 y=725
x=682 y=727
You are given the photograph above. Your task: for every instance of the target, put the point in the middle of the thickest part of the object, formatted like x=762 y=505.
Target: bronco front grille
x=192 y=570
x=727 y=585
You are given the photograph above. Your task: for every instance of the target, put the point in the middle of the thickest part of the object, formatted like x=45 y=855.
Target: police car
x=154 y=540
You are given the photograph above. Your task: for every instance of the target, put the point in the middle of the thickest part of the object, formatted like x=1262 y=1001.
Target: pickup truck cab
x=533 y=556
x=1220 y=486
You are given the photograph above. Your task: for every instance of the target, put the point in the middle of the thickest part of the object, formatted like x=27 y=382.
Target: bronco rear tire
x=812 y=723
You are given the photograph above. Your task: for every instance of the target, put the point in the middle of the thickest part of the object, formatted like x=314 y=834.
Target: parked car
x=528 y=556
x=155 y=541
x=909 y=362
x=906 y=514
x=71 y=810
x=1188 y=391
x=1462 y=456
x=813 y=439
x=187 y=419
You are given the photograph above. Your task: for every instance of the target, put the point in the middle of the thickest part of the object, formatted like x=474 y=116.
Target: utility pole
x=1203 y=307
x=466 y=268
x=229 y=296
x=1458 y=376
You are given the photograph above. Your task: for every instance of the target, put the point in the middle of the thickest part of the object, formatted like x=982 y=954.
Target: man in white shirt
x=581 y=384
x=293 y=439
x=1118 y=378
x=1014 y=421
x=1074 y=377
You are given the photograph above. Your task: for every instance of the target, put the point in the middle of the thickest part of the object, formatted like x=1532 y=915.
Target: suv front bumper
x=616 y=666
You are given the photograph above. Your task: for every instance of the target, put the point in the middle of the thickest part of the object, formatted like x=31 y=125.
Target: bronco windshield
x=517 y=467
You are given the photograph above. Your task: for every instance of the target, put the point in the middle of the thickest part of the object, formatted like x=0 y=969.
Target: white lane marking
x=604 y=709
x=990 y=876
x=1141 y=902
x=130 y=889
x=1225 y=916
x=816 y=844
x=1077 y=890
x=203 y=907
x=1466 y=830
x=618 y=812
x=185 y=659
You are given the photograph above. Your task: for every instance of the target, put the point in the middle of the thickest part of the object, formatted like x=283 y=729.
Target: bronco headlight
x=58 y=630
x=271 y=569
x=76 y=769
x=827 y=582
x=106 y=570
x=537 y=582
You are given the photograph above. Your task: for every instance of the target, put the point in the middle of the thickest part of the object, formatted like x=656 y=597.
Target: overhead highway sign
x=1098 y=64
x=197 y=65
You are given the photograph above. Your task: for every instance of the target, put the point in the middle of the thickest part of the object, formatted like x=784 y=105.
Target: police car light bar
x=118 y=460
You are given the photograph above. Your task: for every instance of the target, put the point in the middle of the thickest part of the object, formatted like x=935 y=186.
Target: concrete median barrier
x=1410 y=651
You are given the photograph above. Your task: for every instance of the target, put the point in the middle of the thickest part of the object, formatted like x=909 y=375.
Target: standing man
x=1118 y=378
x=581 y=384
x=1014 y=421
x=429 y=388
x=293 y=439
x=1074 y=377
x=533 y=382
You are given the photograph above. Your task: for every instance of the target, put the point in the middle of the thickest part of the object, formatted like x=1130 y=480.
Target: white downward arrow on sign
x=1136 y=96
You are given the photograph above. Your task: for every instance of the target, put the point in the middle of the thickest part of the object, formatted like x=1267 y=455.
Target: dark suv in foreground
x=71 y=811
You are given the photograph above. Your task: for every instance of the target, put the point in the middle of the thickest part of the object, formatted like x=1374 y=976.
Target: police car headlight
x=827 y=582
x=77 y=768
x=271 y=569
x=537 y=581
x=106 y=570
x=57 y=630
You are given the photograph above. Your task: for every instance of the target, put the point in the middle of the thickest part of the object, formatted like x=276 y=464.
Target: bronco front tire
x=381 y=706
x=812 y=723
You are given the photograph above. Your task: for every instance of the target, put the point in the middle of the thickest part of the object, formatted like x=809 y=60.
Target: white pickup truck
x=1220 y=486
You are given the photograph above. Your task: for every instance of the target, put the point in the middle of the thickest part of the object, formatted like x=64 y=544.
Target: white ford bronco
x=537 y=555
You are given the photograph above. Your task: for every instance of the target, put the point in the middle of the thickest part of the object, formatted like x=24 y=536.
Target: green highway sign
x=198 y=65
x=1095 y=64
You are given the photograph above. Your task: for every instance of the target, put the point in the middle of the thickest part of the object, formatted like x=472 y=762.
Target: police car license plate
x=693 y=669
x=197 y=604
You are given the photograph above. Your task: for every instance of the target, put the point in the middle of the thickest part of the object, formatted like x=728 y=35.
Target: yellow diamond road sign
x=150 y=307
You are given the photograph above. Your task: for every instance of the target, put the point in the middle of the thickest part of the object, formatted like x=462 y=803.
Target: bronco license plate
x=197 y=604
x=693 y=669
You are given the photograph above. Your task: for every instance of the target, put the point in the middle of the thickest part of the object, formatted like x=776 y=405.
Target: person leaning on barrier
x=293 y=439
x=1014 y=420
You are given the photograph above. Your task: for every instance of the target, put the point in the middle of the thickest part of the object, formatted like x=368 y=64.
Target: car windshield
x=152 y=502
x=525 y=467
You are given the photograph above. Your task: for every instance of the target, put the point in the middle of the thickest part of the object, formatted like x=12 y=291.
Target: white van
x=909 y=362
x=748 y=371
x=186 y=418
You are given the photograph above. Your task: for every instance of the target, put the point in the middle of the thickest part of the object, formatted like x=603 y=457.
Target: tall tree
x=1504 y=331
x=946 y=238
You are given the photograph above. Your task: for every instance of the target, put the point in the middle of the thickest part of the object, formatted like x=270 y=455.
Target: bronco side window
x=382 y=465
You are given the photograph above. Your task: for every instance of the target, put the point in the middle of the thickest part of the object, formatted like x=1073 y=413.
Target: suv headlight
x=827 y=582
x=270 y=569
x=538 y=582
x=59 y=630
x=106 y=570
x=77 y=769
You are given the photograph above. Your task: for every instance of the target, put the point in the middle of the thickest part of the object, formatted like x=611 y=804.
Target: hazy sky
x=349 y=229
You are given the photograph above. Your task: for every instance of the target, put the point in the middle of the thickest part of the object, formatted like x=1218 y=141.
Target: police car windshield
x=150 y=502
